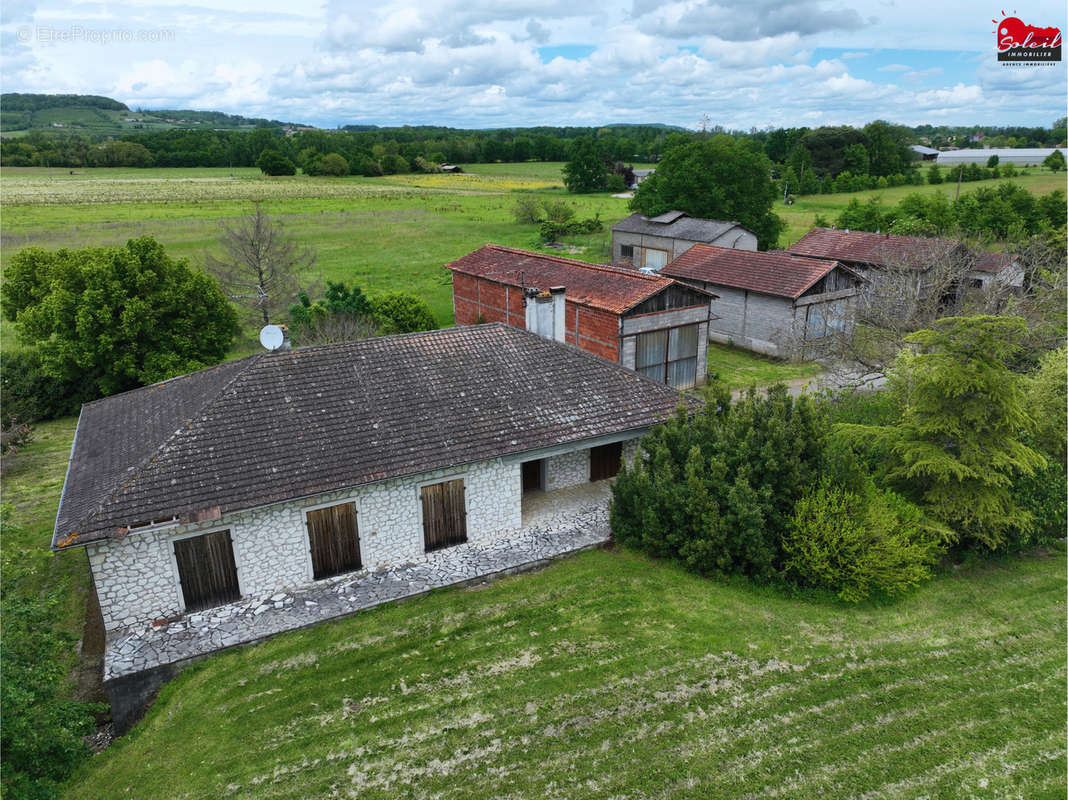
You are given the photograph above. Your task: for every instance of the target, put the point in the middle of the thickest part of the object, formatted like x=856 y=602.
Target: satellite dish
x=272 y=337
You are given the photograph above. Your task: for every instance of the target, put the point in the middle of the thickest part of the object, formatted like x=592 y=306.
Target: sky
x=513 y=63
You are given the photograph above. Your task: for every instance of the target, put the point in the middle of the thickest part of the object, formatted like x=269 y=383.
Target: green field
x=608 y=675
x=741 y=368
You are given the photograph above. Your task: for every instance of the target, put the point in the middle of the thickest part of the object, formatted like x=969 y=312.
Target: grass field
x=740 y=368
x=608 y=675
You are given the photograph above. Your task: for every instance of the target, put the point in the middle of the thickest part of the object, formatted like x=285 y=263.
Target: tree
x=717 y=178
x=271 y=162
x=993 y=161
x=888 y=148
x=855 y=159
x=587 y=171
x=261 y=267
x=114 y=318
x=334 y=164
x=398 y=312
x=957 y=447
x=1054 y=161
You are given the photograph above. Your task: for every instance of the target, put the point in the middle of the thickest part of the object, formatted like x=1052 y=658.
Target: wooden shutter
x=206 y=570
x=444 y=514
x=605 y=461
x=334 y=540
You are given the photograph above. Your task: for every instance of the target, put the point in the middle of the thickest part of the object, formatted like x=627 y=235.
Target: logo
x=1020 y=42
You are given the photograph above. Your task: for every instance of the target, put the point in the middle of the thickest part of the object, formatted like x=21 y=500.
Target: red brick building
x=649 y=323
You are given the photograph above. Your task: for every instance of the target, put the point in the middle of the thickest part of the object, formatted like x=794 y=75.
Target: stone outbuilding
x=649 y=243
x=648 y=323
x=214 y=494
x=774 y=303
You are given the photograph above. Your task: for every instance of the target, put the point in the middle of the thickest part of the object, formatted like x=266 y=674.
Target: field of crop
x=608 y=675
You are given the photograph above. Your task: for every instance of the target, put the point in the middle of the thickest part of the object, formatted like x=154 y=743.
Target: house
x=924 y=153
x=640 y=175
x=648 y=323
x=651 y=242
x=771 y=302
x=876 y=256
x=211 y=495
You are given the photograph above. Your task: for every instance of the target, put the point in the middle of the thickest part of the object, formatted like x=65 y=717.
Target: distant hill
x=99 y=117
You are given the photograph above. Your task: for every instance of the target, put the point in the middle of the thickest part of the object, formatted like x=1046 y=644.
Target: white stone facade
x=137 y=578
x=567 y=469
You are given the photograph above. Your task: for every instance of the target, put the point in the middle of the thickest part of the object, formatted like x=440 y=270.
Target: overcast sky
x=496 y=63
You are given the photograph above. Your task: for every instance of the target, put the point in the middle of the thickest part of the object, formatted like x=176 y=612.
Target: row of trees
x=813 y=493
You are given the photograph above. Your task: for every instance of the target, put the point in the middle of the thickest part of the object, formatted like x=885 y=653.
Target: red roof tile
x=602 y=286
x=780 y=274
x=876 y=249
x=993 y=262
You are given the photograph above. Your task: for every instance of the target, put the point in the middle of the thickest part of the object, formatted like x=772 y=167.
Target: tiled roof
x=289 y=424
x=780 y=274
x=677 y=225
x=994 y=262
x=876 y=249
x=602 y=286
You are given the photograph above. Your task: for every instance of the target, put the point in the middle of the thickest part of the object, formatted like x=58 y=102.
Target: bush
x=271 y=162
x=934 y=174
x=615 y=183
x=1044 y=496
x=27 y=393
x=526 y=210
x=856 y=544
x=1054 y=161
x=334 y=164
x=397 y=312
x=14 y=435
x=558 y=211
x=716 y=490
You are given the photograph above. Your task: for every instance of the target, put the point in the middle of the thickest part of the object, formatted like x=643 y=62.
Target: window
x=626 y=251
x=334 y=540
x=206 y=570
x=605 y=461
x=444 y=514
x=668 y=356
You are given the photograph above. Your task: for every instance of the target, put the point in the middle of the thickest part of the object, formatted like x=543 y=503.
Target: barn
x=648 y=323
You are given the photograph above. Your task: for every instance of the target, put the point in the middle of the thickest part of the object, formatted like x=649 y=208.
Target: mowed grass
x=609 y=675
x=741 y=368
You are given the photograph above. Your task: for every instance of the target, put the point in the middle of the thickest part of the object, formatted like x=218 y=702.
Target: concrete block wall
x=137 y=580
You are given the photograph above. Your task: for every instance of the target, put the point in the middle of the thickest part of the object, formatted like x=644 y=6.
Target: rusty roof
x=603 y=286
x=876 y=249
x=279 y=426
x=777 y=273
x=994 y=262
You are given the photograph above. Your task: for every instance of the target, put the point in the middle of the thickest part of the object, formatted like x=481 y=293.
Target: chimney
x=559 y=312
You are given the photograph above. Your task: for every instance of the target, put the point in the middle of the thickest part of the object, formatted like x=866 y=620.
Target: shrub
x=934 y=174
x=859 y=543
x=526 y=211
x=558 y=211
x=29 y=394
x=334 y=164
x=1043 y=495
x=14 y=436
x=615 y=182
x=271 y=162
x=398 y=312
x=1054 y=161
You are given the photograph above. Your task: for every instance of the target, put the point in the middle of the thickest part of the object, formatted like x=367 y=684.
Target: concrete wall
x=137 y=580
x=734 y=238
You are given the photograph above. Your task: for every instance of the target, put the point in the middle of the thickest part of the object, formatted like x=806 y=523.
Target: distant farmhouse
x=205 y=501
x=924 y=153
x=648 y=323
x=872 y=255
x=774 y=303
x=649 y=243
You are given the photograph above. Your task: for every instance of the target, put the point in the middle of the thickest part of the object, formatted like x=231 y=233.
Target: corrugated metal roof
x=779 y=274
x=289 y=424
x=602 y=286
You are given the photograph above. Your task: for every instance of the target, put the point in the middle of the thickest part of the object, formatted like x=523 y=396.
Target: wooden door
x=444 y=514
x=605 y=461
x=206 y=570
x=532 y=472
x=334 y=540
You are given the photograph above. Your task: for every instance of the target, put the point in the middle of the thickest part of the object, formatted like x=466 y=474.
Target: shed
x=651 y=242
x=771 y=302
x=648 y=323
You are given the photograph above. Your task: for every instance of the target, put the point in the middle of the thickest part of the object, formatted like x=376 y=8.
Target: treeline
x=14 y=101
x=1005 y=211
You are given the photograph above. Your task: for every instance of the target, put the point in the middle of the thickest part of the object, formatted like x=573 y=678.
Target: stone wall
x=567 y=469
x=137 y=580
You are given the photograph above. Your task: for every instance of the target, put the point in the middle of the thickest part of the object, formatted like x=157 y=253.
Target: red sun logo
x=1013 y=33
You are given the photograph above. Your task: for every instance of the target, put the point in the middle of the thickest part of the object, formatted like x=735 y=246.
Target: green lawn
x=741 y=368
x=609 y=675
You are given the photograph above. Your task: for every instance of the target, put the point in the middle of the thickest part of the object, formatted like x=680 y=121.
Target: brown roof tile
x=780 y=274
x=609 y=288
x=289 y=424
x=876 y=249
